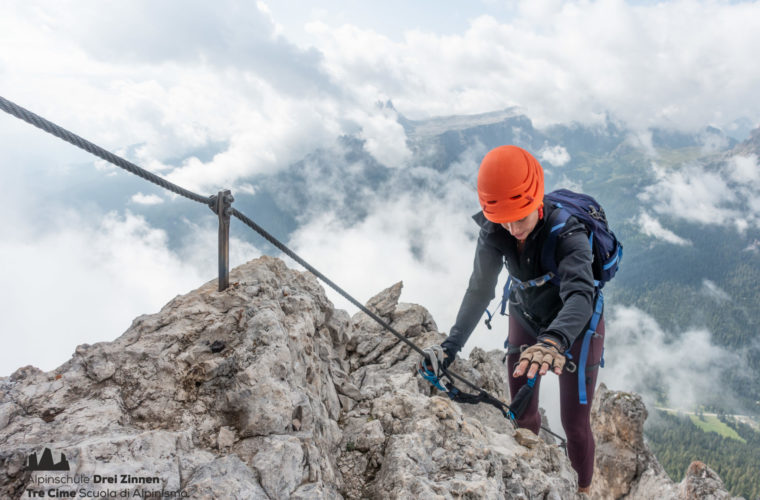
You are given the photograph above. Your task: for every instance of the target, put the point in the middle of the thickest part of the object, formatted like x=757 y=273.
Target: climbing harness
x=211 y=201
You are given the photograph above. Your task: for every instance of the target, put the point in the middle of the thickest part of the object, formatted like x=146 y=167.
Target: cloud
x=713 y=141
x=726 y=193
x=146 y=199
x=556 y=155
x=81 y=281
x=640 y=355
x=673 y=64
x=385 y=137
x=652 y=227
x=567 y=183
x=213 y=95
x=207 y=108
x=227 y=35
x=715 y=292
x=744 y=170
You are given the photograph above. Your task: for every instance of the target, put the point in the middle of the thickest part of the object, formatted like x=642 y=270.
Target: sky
x=211 y=95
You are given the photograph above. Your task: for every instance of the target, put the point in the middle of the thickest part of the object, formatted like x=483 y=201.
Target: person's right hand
x=435 y=359
x=540 y=357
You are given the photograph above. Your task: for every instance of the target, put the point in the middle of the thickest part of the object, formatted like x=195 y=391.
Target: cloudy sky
x=211 y=95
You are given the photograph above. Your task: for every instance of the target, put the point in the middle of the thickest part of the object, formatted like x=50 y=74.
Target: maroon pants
x=575 y=416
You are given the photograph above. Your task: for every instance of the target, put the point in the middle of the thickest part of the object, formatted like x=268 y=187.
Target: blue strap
x=505 y=295
x=550 y=245
x=598 y=308
x=615 y=259
x=522 y=285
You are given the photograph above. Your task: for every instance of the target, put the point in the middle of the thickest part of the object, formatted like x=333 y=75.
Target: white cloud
x=691 y=193
x=225 y=79
x=567 y=183
x=713 y=142
x=727 y=193
x=556 y=155
x=146 y=199
x=714 y=291
x=78 y=282
x=744 y=170
x=205 y=107
x=652 y=227
x=675 y=63
x=640 y=353
x=642 y=140
x=386 y=139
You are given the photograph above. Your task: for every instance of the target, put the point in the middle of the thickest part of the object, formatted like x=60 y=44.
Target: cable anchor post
x=223 y=208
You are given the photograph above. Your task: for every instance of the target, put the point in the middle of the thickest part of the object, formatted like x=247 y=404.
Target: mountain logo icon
x=45 y=462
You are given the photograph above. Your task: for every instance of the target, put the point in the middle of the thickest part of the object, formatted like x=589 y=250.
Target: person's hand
x=541 y=357
x=435 y=359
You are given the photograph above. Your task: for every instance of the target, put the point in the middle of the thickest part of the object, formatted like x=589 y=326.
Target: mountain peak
x=265 y=390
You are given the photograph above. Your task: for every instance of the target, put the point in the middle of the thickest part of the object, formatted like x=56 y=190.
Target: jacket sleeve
x=576 y=290
x=480 y=292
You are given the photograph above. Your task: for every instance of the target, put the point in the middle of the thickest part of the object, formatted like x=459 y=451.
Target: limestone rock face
x=624 y=465
x=266 y=391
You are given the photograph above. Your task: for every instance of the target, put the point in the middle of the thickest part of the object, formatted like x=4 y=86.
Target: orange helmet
x=510 y=184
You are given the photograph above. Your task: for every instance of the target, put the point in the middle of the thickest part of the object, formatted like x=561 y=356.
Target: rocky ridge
x=266 y=391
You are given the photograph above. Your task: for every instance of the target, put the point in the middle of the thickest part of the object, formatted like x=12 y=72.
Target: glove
x=431 y=366
x=547 y=352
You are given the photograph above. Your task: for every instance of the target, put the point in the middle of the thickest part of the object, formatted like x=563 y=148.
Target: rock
x=624 y=465
x=526 y=438
x=384 y=303
x=225 y=438
x=702 y=483
x=224 y=477
x=621 y=456
x=266 y=391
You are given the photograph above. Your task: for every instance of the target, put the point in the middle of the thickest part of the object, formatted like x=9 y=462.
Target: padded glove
x=545 y=355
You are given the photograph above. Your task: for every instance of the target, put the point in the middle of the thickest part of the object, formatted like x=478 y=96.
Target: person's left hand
x=540 y=358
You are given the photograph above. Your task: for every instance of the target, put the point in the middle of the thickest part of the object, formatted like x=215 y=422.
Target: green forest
x=731 y=449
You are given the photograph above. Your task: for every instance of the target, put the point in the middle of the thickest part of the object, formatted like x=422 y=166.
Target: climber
x=544 y=319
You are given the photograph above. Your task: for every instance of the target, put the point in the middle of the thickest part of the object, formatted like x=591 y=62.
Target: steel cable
x=60 y=132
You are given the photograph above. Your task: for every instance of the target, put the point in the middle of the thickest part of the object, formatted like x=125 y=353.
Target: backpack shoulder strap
x=555 y=221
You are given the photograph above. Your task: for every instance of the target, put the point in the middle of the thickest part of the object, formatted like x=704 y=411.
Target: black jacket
x=562 y=311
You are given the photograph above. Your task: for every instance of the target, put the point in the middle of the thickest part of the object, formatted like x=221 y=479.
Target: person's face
x=522 y=228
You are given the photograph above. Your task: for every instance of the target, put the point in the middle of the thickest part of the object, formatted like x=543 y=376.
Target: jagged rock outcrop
x=266 y=391
x=624 y=465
